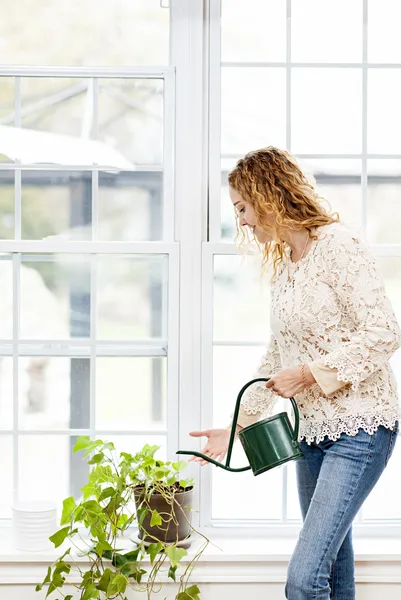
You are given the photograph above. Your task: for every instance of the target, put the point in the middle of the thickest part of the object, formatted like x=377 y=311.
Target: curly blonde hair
x=271 y=181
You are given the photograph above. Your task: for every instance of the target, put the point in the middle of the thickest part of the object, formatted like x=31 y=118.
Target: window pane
x=54 y=105
x=6 y=393
x=132 y=297
x=53 y=392
x=326 y=111
x=253 y=109
x=233 y=366
x=131 y=118
x=60 y=286
x=6 y=205
x=244 y=496
x=390 y=269
x=141 y=399
x=228 y=230
x=338 y=182
x=383 y=31
x=6 y=101
x=384 y=98
x=45 y=468
x=60 y=123
x=383 y=202
x=253 y=31
x=6 y=304
x=384 y=500
x=6 y=497
x=131 y=206
x=239 y=496
x=316 y=26
x=56 y=203
x=293 y=508
x=121 y=33
x=6 y=109
x=48 y=470
x=241 y=299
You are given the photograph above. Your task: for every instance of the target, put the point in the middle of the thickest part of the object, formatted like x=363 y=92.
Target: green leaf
x=175 y=554
x=161 y=472
x=58 y=538
x=109 y=446
x=69 y=597
x=141 y=514
x=122 y=521
x=118 y=560
x=132 y=555
x=90 y=592
x=92 y=446
x=46 y=580
x=127 y=457
x=58 y=580
x=117 y=585
x=81 y=443
x=155 y=519
x=96 y=459
x=131 y=570
x=171 y=573
x=104 y=581
x=149 y=450
x=101 y=547
x=65 y=553
x=191 y=593
x=153 y=550
x=107 y=493
x=184 y=483
x=179 y=466
x=69 y=506
x=87 y=579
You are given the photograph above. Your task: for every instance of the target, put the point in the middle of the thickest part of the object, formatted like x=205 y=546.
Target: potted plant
x=134 y=489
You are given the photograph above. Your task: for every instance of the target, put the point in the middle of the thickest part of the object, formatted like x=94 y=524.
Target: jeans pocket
x=391 y=443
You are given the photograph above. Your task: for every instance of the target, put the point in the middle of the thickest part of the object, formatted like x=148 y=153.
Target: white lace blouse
x=330 y=310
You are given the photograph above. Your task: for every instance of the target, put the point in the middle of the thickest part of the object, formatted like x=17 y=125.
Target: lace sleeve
x=258 y=401
x=372 y=333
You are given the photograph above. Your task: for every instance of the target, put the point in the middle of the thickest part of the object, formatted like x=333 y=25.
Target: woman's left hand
x=289 y=382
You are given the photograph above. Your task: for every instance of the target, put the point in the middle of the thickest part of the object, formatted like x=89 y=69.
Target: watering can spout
x=267 y=443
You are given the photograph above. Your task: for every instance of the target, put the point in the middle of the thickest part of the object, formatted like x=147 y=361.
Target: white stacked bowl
x=33 y=524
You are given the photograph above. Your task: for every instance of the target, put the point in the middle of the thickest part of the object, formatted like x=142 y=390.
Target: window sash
x=214 y=245
x=90 y=347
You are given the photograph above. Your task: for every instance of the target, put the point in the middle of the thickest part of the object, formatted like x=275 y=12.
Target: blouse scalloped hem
x=316 y=432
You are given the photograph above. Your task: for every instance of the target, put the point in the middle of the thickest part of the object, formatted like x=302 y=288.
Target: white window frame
x=192 y=168
x=214 y=246
x=91 y=249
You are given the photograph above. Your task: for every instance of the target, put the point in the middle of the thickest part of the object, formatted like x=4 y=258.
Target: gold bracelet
x=303 y=376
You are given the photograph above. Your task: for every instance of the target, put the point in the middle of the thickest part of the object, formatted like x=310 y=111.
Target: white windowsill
x=233 y=559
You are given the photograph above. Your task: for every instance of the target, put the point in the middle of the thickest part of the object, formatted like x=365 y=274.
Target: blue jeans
x=334 y=479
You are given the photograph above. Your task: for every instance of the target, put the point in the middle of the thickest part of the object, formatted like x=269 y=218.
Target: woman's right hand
x=216 y=446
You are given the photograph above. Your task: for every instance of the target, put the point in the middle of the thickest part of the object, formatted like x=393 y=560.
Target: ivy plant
x=117 y=497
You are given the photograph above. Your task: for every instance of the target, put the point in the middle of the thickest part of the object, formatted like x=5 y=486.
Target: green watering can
x=267 y=443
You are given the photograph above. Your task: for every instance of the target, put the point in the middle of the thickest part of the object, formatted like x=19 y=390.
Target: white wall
x=221 y=578
x=226 y=591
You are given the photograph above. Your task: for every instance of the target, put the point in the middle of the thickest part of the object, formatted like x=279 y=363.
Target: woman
x=333 y=332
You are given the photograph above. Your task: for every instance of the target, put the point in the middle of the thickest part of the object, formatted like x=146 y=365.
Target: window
x=126 y=311
x=89 y=265
x=285 y=81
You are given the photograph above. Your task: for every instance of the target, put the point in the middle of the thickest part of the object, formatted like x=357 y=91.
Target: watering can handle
x=236 y=412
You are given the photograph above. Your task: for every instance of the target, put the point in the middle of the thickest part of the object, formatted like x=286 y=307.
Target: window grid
x=92 y=348
x=215 y=246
